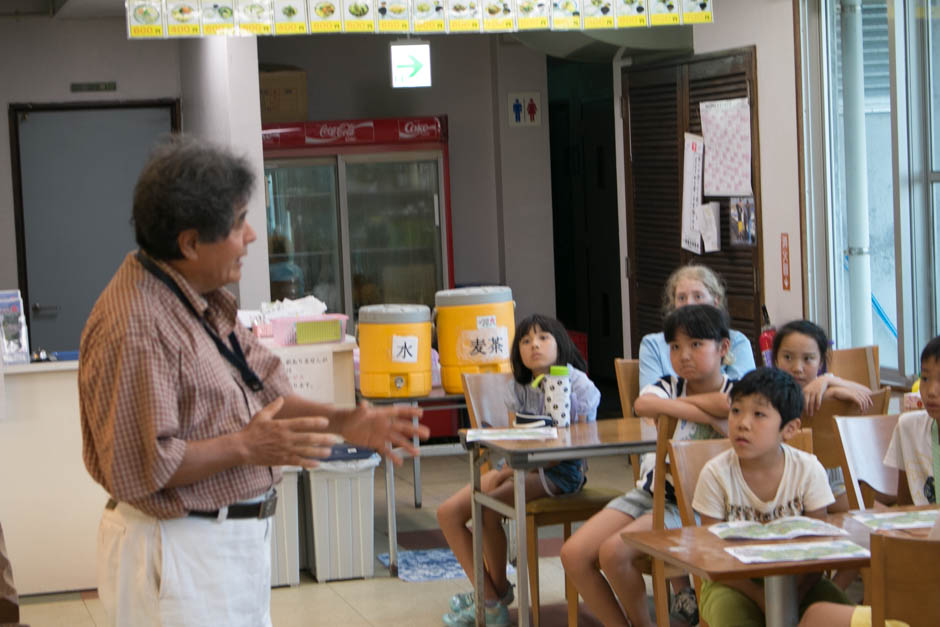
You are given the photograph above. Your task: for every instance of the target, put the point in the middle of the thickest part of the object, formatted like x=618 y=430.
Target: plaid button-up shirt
x=151 y=379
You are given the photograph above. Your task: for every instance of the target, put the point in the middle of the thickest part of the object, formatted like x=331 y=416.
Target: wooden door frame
x=14 y=111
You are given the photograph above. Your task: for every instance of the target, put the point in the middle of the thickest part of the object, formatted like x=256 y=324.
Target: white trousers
x=183 y=572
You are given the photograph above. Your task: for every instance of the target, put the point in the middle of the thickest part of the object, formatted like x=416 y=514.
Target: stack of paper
x=780 y=529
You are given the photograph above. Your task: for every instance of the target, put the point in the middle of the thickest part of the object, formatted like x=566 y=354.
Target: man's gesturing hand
x=382 y=428
x=284 y=442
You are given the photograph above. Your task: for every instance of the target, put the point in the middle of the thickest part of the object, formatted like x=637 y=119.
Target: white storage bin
x=285 y=536
x=342 y=503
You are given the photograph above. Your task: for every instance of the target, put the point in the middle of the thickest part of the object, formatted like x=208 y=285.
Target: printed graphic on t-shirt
x=745 y=512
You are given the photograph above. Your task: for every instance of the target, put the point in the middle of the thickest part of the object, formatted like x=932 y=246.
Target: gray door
x=78 y=169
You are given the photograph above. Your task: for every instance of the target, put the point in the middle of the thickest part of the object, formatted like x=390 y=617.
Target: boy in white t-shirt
x=915 y=445
x=761 y=479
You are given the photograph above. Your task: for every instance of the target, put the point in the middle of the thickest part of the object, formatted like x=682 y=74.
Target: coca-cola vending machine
x=359 y=211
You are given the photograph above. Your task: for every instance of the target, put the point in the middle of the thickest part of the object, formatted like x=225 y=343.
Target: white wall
x=220 y=103
x=768 y=24
x=40 y=57
x=526 y=174
x=348 y=77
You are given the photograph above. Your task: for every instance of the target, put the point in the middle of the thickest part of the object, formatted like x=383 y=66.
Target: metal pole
x=856 y=173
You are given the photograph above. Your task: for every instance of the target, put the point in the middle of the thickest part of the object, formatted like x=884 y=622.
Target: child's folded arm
x=653 y=405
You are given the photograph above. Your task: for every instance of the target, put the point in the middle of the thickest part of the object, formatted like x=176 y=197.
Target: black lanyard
x=236 y=358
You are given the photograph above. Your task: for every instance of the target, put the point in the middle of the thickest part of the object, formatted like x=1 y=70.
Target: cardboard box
x=283 y=95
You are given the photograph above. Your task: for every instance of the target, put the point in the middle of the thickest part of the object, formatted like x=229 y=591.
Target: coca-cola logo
x=414 y=128
x=342 y=131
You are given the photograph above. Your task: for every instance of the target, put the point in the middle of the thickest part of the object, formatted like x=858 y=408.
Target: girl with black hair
x=540 y=343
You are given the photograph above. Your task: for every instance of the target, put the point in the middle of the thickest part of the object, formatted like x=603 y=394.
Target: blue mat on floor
x=428 y=565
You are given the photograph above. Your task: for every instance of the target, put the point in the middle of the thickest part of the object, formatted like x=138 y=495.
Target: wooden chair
x=863 y=443
x=826 y=444
x=487 y=408
x=858 y=364
x=628 y=384
x=904 y=576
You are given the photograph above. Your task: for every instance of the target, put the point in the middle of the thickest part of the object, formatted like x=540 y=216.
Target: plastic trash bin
x=342 y=514
x=285 y=536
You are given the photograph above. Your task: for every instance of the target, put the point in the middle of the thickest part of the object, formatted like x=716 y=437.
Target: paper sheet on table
x=709 y=225
x=518 y=433
x=692 y=193
x=796 y=551
x=726 y=126
x=781 y=529
x=881 y=521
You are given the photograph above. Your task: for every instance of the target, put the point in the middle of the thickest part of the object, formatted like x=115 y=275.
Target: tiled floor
x=381 y=600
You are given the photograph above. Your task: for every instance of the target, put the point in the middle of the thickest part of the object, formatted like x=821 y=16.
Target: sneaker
x=463 y=600
x=496 y=616
x=684 y=606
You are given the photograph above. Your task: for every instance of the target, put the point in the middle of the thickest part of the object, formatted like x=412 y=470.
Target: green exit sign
x=411 y=63
x=101 y=86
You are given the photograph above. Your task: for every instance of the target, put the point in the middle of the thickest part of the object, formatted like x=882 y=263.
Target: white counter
x=49 y=505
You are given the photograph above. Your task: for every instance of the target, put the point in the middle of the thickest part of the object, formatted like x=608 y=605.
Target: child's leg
x=494 y=538
x=827 y=615
x=580 y=557
x=616 y=560
x=452 y=516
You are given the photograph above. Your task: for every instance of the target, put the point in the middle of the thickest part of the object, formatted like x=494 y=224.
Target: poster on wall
x=631 y=13
x=533 y=14
x=218 y=18
x=664 y=12
x=697 y=11
x=742 y=221
x=726 y=125
x=692 y=193
x=598 y=14
x=290 y=17
x=394 y=16
x=464 y=16
x=13 y=334
x=429 y=16
x=499 y=16
x=708 y=222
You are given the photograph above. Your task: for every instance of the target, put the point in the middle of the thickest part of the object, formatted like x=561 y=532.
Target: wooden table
x=702 y=553
x=604 y=437
x=438 y=399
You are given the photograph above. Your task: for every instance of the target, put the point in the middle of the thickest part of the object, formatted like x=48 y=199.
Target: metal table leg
x=416 y=461
x=477 y=527
x=522 y=559
x=781 y=603
x=392 y=522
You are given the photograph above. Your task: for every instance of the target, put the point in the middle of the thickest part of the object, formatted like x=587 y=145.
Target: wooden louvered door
x=654 y=185
x=654 y=190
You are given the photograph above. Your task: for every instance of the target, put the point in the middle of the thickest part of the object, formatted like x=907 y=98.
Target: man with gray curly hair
x=186 y=417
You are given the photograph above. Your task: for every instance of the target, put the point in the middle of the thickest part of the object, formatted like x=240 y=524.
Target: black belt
x=263 y=509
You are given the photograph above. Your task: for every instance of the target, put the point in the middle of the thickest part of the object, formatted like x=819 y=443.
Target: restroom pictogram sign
x=525 y=108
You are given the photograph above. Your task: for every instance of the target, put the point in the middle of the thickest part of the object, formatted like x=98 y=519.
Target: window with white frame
x=871 y=134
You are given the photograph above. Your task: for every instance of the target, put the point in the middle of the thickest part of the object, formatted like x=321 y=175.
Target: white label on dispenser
x=484 y=345
x=405 y=349
x=486 y=322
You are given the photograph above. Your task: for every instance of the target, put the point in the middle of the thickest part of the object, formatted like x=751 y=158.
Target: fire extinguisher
x=766 y=341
